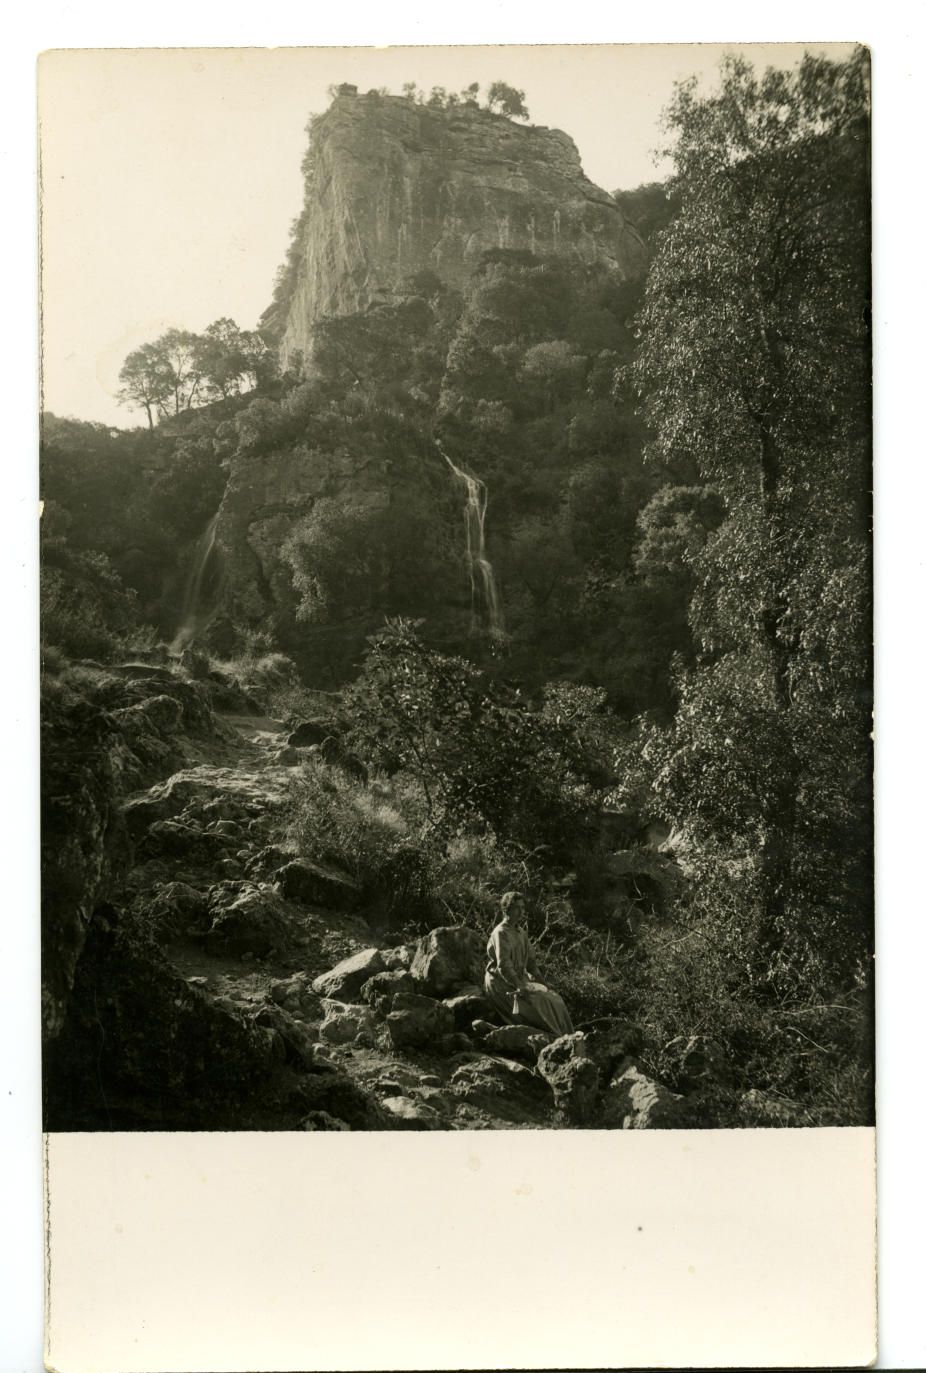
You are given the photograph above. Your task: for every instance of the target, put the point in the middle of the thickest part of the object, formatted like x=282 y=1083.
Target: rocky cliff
x=402 y=203
x=394 y=188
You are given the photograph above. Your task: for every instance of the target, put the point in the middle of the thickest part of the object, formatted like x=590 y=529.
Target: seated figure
x=512 y=981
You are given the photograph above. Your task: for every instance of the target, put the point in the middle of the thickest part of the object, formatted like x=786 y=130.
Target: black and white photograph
x=456 y=589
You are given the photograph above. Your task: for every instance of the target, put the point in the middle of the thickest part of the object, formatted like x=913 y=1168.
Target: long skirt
x=536 y=1006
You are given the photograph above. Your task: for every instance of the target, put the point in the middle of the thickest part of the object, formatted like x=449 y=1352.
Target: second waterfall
x=483 y=588
x=202 y=589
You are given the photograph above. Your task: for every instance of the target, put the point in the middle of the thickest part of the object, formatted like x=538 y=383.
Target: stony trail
x=230 y=981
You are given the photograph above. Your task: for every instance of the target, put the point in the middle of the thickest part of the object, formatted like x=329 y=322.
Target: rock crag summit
x=394 y=188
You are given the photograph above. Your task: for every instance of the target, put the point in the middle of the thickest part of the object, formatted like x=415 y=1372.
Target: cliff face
x=267 y=494
x=394 y=188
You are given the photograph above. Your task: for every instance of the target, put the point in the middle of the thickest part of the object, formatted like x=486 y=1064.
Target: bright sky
x=170 y=176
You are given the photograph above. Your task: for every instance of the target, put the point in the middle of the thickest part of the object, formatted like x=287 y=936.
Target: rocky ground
x=199 y=975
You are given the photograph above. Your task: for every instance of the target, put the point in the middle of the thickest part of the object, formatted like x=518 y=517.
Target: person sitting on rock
x=511 y=965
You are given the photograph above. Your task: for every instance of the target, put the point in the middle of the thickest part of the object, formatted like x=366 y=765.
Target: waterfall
x=481 y=575
x=194 y=619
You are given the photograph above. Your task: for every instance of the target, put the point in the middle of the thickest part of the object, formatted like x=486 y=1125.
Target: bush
x=371 y=831
x=482 y=757
x=412 y=875
x=266 y=676
x=702 y=978
x=86 y=612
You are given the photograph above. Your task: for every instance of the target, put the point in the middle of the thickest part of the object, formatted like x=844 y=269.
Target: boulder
x=150 y=730
x=266 y=861
x=295 y=995
x=346 y=1024
x=141 y=683
x=503 y=1088
x=298 y=1040
x=611 y=1041
x=142 y=811
x=573 y=1075
x=398 y=1079
x=523 y=1041
x=161 y=714
x=172 y=839
x=287 y=757
x=246 y=921
x=436 y=1099
x=346 y=978
x=467 y=1008
x=317 y=885
x=227 y=827
x=407 y=1113
x=335 y=754
x=448 y=958
x=172 y=908
x=382 y=987
x=309 y=732
x=634 y=1101
x=399 y=958
x=418 y=1022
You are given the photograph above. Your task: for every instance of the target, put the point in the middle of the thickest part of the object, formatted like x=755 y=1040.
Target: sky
x=170 y=177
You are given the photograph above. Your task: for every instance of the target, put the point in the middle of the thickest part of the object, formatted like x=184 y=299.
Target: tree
x=755 y=368
x=476 y=748
x=162 y=377
x=506 y=100
x=180 y=368
x=180 y=351
x=230 y=359
x=145 y=382
x=673 y=529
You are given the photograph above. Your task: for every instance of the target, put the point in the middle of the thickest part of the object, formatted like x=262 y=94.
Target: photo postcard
x=456 y=707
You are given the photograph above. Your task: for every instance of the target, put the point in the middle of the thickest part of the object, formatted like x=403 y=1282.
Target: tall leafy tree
x=229 y=359
x=144 y=381
x=755 y=367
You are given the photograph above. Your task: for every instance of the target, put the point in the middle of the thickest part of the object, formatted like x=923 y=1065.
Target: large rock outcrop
x=394 y=188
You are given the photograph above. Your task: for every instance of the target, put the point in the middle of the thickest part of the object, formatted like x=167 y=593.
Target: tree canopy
x=181 y=369
x=507 y=100
x=755 y=367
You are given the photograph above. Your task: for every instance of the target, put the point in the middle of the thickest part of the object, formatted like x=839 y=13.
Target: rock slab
x=447 y=959
x=346 y=978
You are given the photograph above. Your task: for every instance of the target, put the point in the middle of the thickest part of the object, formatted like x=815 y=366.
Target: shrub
x=262 y=675
x=481 y=756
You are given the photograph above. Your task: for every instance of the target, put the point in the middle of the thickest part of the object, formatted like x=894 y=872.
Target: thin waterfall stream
x=481 y=573
x=204 y=578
